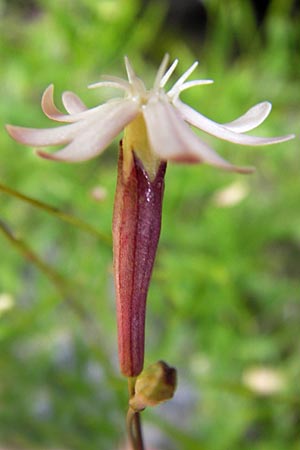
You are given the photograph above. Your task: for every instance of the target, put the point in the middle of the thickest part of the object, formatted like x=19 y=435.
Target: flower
x=155 y=120
x=156 y=130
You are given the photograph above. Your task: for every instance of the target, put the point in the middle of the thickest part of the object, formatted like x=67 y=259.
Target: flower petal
x=172 y=139
x=98 y=134
x=71 y=100
x=51 y=111
x=39 y=137
x=73 y=103
x=209 y=126
x=251 y=119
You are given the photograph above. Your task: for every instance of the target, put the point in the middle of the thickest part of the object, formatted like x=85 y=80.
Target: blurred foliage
x=225 y=294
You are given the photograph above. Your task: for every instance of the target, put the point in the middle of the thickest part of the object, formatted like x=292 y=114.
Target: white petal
x=39 y=137
x=172 y=139
x=98 y=135
x=251 y=119
x=203 y=123
x=73 y=103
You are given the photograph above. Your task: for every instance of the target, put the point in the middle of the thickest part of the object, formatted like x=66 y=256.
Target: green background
x=225 y=297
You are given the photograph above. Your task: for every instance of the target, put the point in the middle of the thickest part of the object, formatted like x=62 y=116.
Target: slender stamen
x=168 y=74
x=130 y=72
x=112 y=84
x=111 y=81
x=188 y=85
x=182 y=79
x=161 y=71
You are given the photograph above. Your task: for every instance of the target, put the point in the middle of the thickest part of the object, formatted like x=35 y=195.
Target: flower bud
x=136 y=229
x=154 y=385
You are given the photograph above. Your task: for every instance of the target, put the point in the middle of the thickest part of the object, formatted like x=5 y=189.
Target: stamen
x=193 y=83
x=168 y=74
x=130 y=72
x=161 y=71
x=188 y=85
x=112 y=84
x=182 y=79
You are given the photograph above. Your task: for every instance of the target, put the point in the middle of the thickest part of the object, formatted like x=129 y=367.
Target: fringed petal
x=172 y=139
x=95 y=137
x=203 y=123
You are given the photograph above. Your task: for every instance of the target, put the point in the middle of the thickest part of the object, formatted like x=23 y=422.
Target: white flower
x=89 y=131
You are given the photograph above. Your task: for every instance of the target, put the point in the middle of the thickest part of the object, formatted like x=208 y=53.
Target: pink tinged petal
x=251 y=119
x=203 y=123
x=48 y=105
x=39 y=137
x=51 y=111
x=97 y=133
x=172 y=139
x=54 y=113
x=73 y=103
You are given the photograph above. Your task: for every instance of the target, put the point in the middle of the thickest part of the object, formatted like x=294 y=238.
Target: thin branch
x=73 y=220
x=67 y=289
x=62 y=285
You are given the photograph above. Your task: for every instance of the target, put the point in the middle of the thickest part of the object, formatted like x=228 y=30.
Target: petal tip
x=16 y=133
x=45 y=155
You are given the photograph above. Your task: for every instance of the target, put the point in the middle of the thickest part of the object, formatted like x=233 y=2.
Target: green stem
x=62 y=285
x=133 y=421
x=57 y=213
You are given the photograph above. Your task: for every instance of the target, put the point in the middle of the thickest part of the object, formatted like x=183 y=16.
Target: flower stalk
x=136 y=230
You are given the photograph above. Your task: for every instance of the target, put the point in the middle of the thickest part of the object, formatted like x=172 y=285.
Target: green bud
x=156 y=384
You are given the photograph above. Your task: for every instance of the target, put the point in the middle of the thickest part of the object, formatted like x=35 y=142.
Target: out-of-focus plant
x=242 y=283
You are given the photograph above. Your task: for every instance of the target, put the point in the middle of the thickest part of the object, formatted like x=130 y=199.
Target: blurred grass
x=225 y=292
